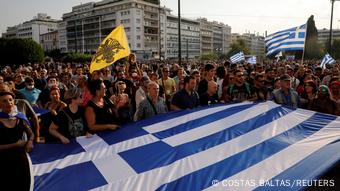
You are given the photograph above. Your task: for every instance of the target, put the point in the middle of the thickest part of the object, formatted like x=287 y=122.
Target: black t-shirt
x=11 y=135
x=104 y=115
x=71 y=130
x=202 y=87
x=206 y=99
x=239 y=93
x=183 y=100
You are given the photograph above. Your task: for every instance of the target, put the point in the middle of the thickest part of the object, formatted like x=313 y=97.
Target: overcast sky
x=242 y=15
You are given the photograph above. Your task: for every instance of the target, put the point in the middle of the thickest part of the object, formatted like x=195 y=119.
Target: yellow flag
x=113 y=48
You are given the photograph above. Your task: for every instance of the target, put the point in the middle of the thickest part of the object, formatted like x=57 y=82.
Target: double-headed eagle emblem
x=107 y=51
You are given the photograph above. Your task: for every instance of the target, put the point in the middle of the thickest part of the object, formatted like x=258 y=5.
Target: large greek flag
x=327 y=59
x=290 y=39
x=241 y=146
x=237 y=57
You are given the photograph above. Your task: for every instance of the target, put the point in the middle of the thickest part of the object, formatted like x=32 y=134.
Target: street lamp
x=330 y=28
x=179 y=34
x=159 y=32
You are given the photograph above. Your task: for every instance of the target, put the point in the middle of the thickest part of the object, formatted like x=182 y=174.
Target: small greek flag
x=251 y=60
x=237 y=57
x=327 y=59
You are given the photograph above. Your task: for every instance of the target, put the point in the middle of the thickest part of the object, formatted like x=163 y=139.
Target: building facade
x=50 y=41
x=255 y=43
x=221 y=37
x=215 y=37
x=323 y=35
x=206 y=36
x=190 y=38
x=62 y=36
x=88 y=24
x=32 y=29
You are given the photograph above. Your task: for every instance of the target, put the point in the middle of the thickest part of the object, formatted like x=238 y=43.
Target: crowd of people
x=77 y=103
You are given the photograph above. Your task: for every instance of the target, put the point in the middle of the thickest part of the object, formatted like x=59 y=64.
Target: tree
x=210 y=56
x=336 y=49
x=238 y=46
x=77 y=57
x=313 y=49
x=20 y=51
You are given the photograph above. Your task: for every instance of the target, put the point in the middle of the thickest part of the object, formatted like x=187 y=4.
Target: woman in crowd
x=335 y=90
x=55 y=105
x=13 y=159
x=308 y=94
x=69 y=122
x=323 y=102
x=122 y=102
x=100 y=113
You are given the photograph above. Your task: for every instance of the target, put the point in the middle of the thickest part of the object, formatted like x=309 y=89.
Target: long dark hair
x=94 y=85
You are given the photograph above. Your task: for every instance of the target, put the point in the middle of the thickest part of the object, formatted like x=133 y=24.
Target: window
x=138 y=37
x=138 y=45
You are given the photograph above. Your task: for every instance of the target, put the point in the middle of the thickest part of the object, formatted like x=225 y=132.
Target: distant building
x=221 y=37
x=255 y=43
x=206 y=36
x=62 y=36
x=215 y=37
x=190 y=38
x=323 y=35
x=88 y=24
x=32 y=29
x=50 y=41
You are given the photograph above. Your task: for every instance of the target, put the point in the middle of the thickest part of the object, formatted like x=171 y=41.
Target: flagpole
x=304 y=47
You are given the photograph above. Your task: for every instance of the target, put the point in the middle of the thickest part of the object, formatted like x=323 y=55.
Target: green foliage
x=210 y=56
x=238 y=46
x=336 y=49
x=20 y=51
x=77 y=57
x=56 y=55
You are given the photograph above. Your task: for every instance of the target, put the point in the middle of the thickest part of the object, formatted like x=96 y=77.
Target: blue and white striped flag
x=327 y=59
x=211 y=148
x=237 y=57
x=290 y=39
x=251 y=60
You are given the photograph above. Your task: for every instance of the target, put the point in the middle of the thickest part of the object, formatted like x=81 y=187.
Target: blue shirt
x=31 y=96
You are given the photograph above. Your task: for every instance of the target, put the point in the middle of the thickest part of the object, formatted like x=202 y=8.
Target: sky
x=254 y=16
